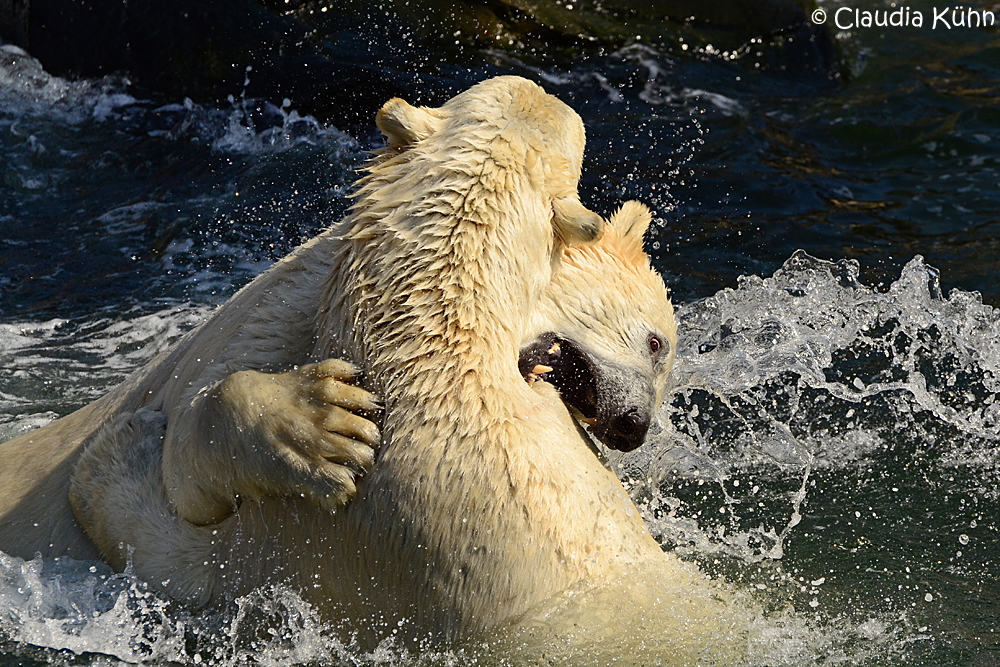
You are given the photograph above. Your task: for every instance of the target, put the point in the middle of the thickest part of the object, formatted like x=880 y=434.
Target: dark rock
x=779 y=30
x=342 y=60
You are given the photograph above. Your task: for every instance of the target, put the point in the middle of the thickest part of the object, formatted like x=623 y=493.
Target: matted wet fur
x=486 y=498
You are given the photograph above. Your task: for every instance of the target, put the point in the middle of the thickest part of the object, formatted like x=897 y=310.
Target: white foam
x=63 y=365
x=83 y=608
x=26 y=88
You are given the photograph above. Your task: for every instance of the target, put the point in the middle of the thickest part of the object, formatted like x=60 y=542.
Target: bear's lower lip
x=616 y=441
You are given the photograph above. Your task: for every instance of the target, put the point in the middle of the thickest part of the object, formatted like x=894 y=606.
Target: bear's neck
x=437 y=291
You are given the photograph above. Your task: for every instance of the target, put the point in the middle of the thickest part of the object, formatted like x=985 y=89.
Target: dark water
x=833 y=439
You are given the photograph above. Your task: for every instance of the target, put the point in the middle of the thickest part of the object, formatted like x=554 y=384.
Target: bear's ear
x=574 y=223
x=403 y=124
x=626 y=229
x=631 y=220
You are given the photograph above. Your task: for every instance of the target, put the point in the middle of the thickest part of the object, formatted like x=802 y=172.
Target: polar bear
x=217 y=469
x=255 y=339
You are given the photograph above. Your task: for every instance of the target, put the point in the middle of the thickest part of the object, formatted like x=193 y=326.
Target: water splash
x=61 y=610
x=48 y=369
x=248 y=126
x=112 y=199
x=62 y=604
x=810 y=369
x=30 y=90
x=832 y=445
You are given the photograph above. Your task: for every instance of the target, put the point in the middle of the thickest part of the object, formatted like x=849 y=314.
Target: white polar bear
x=216 y=465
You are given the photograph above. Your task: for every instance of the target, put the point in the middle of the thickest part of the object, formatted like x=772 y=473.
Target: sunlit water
x=828 y=452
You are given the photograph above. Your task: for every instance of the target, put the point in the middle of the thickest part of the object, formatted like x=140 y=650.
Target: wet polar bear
x=218 y=466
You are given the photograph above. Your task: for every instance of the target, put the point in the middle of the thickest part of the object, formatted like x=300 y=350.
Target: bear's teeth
x=541 y=370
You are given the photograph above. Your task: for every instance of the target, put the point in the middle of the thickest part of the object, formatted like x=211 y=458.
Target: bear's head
x=520 y=127
x=604 y=333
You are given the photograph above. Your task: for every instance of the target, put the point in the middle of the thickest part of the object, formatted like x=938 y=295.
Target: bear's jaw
x=615 y=402
x=559 y=362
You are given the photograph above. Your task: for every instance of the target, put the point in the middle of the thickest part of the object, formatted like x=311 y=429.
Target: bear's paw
x=302 y=436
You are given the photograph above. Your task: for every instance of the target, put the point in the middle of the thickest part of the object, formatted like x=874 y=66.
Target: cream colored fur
x=218 y=468
x=608 y=299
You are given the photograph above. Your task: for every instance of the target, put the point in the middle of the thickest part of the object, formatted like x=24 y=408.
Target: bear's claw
x=322 y=436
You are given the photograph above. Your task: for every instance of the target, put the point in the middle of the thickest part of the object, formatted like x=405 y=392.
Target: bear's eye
x=655 y=345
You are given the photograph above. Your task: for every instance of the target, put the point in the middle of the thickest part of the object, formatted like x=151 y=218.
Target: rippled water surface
x=831 y=442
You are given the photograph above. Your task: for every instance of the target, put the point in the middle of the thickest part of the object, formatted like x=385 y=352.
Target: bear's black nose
x=630 y=429
x=629 y=424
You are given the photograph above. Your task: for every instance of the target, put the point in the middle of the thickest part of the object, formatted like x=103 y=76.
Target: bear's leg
x=256 y=434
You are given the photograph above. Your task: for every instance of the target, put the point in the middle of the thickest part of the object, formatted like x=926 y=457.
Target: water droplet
x=963 y=538
x=928 y=598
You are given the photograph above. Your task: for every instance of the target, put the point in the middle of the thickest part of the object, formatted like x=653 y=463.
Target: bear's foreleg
x=255 y=434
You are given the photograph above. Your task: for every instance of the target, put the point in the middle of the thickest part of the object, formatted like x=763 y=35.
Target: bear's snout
x=615 y=400
x=627 y=431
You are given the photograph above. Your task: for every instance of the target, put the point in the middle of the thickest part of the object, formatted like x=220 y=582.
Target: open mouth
x=561 y=363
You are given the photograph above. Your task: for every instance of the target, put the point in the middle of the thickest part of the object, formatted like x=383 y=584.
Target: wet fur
x=487 y=498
